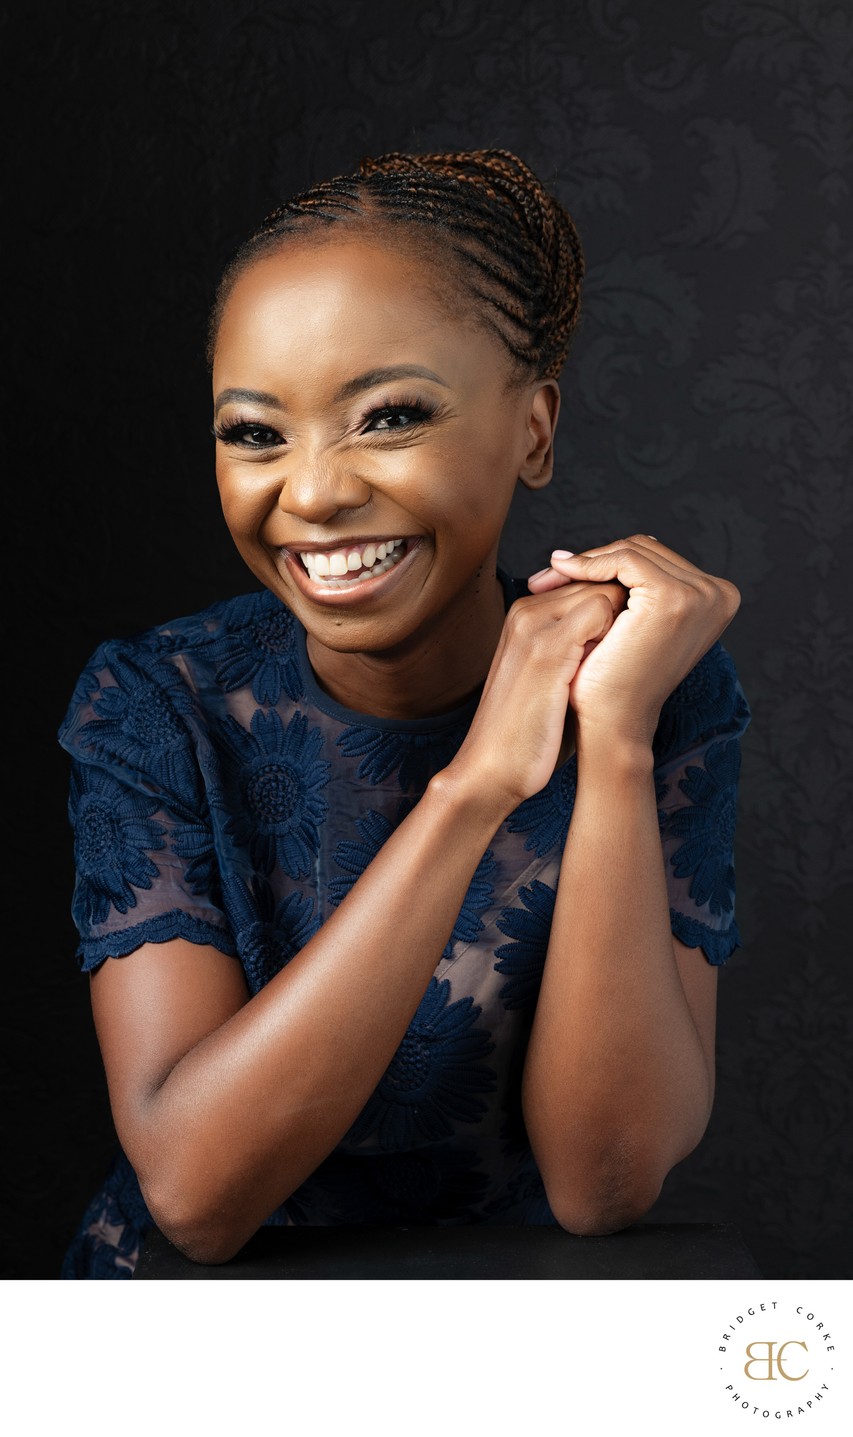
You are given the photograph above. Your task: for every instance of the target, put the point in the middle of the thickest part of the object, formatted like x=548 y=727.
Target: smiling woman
x=343 y=458
x=403 y=883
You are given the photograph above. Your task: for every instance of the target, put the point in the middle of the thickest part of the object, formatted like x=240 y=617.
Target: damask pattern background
x=704 y=151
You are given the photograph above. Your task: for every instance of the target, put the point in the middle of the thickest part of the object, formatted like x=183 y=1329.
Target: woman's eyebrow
x=382 y=376
x=250 y=396
x=347 y=391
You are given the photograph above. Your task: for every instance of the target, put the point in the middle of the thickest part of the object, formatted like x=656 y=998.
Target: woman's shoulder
x=248 y=640
x=708 y=704
x=191 y=633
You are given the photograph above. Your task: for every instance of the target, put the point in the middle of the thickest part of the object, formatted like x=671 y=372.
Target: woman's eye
x=389 y=418
x=248 y=436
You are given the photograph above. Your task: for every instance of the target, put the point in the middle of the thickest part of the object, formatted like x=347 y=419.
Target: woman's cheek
x=245 y=505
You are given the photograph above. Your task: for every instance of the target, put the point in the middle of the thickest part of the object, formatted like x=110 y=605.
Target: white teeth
x=377 y=569
x=338 y=564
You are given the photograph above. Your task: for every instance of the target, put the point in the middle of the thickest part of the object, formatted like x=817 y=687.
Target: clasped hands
x=602 y=639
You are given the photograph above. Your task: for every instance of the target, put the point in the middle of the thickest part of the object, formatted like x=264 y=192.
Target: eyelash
x=234 y=432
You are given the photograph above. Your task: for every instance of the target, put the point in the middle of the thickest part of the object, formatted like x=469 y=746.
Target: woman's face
x=355 y=410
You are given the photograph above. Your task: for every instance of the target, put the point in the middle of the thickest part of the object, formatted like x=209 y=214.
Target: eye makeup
x=249 y=434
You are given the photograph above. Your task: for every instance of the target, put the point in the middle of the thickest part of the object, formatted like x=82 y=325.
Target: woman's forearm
x=245 y=1116
x=616 y=1087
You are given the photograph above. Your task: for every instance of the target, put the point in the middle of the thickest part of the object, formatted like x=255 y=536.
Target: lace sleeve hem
x=157 y=929
x=718 y=945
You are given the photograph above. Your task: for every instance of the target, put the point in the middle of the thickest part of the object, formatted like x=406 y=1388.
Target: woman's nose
x=317 y=488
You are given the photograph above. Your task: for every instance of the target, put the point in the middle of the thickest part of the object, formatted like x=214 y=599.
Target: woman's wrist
x=473 y=798
x=613 y=755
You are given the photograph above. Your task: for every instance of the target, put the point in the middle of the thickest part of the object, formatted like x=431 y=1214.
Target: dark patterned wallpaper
x=704 y=151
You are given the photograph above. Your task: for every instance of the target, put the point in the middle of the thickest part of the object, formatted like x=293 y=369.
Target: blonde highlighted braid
x=516 y=244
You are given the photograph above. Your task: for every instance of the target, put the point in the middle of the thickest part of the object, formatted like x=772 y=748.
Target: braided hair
x=511 y=243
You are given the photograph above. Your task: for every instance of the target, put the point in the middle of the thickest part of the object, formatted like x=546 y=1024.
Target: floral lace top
x=218 y=794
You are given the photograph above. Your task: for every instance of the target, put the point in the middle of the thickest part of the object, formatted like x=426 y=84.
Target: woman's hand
x=673 y=615
x=514 y=742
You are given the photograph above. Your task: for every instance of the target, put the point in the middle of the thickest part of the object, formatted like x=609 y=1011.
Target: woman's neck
x=434 y=671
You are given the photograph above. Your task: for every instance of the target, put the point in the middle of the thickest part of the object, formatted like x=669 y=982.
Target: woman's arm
x=226 y=1104
x=618 y=1081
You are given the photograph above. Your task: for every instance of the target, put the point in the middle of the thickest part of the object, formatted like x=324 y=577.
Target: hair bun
x=507 y=180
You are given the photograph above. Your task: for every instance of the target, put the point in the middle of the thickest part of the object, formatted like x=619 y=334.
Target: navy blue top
x=218 y=794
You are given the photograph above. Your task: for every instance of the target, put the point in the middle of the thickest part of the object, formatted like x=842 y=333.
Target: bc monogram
x=770 y=1361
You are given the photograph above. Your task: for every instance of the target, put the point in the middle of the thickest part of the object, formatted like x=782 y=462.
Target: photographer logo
x=777 y=1361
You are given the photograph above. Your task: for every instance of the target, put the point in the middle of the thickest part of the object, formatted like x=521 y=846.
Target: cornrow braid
x=516 y=243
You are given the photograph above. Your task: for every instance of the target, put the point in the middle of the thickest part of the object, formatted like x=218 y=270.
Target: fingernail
x=653 y=536
x=537 y=575
x=562 y=554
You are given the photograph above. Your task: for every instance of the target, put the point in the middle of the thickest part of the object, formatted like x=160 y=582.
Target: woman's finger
x=558 y=573
x=630 y=563
x=653 y=547
x=546 y=579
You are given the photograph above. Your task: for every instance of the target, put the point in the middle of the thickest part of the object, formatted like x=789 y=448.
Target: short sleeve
x=146 y=866
x=697 y=768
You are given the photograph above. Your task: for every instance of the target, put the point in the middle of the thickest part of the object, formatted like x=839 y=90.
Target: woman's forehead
x=353 y=299
x=334 y=271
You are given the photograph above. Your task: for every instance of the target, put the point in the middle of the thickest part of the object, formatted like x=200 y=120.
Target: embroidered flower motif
x=661 y=791
x=434 y=1078
x=375 y=829
x=113 y=836
x=705 y=699
x=110 y=1246
x=110 y=1233
x=193 y=841
x=524 y=959
x=141 y=723
x=280 y=779
x=547 y=814
x=708 y=827
x=164 y=642
x=353 y=856
x=268 y=934
x=417 y=755
x=480 y=892
x=260 y=650
x=512 y=1130
x=430 y=1185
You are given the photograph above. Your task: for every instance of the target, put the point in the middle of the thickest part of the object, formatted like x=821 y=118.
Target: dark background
x=703 y=151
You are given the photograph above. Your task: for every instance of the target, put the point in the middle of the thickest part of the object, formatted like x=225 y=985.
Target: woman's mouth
x=338 y=568
x=351 y=573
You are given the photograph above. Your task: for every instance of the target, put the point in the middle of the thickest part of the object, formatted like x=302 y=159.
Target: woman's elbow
x=592 y=1223
x=199 y=1237
x=203 y=1247
x=604 y=1214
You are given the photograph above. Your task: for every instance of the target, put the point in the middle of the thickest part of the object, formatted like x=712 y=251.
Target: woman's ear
x=540 y=421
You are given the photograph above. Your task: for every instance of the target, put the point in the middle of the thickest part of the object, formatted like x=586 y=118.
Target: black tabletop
x=646 y=1250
